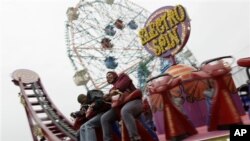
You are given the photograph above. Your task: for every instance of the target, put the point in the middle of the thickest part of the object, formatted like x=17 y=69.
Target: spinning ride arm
x=245 y=62
x=175 y=122
x=224 y=111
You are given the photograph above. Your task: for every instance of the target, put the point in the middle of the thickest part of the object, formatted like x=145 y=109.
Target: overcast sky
x=32 y=37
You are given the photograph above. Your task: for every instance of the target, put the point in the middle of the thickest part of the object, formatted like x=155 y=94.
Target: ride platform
x=204 y=135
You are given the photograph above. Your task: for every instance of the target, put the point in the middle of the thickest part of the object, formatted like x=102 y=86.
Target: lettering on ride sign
x=165 y=30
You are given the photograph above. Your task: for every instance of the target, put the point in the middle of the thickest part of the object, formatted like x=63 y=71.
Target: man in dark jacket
x=97 y=107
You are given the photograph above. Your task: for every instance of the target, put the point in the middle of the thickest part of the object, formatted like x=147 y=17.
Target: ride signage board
x=166 y=31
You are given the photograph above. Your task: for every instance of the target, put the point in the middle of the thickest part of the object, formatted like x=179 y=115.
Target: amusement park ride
x=103 y=36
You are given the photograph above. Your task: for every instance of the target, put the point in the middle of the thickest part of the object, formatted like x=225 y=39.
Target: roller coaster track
x=45 y=120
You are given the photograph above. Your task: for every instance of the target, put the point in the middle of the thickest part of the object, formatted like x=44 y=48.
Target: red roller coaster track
x=45 y=120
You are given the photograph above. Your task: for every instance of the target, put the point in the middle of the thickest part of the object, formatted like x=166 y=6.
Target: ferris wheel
x=102 y=36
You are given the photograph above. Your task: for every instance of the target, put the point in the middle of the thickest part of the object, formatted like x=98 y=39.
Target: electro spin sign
x=166 y=31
